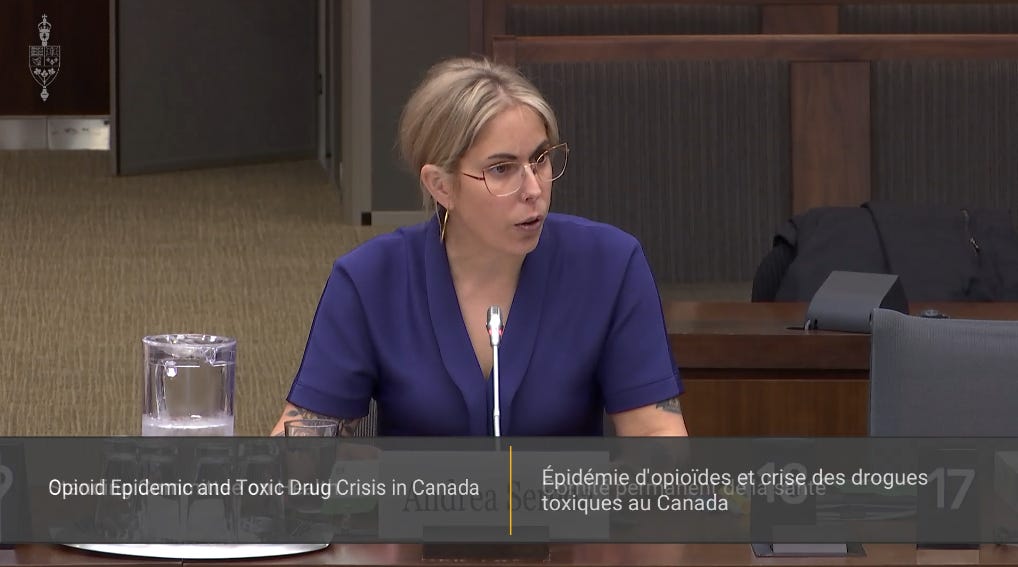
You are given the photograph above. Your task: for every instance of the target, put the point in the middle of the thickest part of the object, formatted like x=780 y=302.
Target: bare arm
x=291 y=412
x=662 y=419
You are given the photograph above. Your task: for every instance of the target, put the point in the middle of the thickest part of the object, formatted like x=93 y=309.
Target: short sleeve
x=337 y=373
x=636 y=367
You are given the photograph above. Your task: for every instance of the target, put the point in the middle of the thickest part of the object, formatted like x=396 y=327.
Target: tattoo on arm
x=670 y=405
x=346 y=426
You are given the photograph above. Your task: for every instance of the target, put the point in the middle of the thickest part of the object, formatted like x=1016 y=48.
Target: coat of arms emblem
x=44 y=60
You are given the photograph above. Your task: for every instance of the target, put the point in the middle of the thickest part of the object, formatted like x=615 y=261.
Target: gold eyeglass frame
x=530 y=164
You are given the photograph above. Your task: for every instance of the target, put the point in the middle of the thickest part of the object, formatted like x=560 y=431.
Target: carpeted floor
x=90 y=263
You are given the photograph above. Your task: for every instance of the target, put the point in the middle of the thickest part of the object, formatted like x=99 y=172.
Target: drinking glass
x=311 y=428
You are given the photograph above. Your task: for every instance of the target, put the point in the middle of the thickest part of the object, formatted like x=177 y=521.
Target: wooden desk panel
x=786 y=407
x=749 y=369
x=695 y=555
x=616 y=555
x=679 y=555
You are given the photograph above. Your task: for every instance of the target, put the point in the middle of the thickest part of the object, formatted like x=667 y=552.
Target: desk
x=747 y=372
x=566 y=555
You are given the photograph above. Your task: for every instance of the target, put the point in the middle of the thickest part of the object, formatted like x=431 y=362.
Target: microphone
x=495 y=326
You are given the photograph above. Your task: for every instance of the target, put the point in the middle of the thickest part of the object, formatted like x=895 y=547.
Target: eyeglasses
x=505 y=178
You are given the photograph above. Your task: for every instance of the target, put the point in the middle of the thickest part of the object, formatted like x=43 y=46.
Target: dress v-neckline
x=518 y=338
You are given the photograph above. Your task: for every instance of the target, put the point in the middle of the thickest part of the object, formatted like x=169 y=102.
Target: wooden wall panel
x=81 y=29
x=784 y=18
x=946 y=132
x=830 y=134
x=478 y=45
x=691 y=157
x=636 y=17
x=939 y=95
x=829 y=89
x=824 y=48
x=913 y=18
x=779 y=16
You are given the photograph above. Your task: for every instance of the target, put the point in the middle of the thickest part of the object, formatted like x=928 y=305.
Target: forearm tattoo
x=346 y=426
x=670 y=405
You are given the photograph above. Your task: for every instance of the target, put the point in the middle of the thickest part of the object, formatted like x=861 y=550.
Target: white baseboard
x=54 y=133
x=23 y=133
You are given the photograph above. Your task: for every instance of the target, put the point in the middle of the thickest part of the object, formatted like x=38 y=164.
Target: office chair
x=946 y=378
x=942 y=377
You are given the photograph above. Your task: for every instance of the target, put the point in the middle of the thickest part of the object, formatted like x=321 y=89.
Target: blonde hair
x=453 y=103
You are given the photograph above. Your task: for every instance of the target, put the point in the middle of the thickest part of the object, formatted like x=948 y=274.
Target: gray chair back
x=368 y=425
x=943 y=377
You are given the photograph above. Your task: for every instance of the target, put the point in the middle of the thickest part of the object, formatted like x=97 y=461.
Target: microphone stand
x=496 y=414
x=495 y=327
x=499 y=551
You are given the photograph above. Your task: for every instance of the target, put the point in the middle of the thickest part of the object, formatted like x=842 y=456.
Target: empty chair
x=943 y=377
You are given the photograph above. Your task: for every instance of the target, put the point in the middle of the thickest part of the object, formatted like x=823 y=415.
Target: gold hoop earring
x=443 y=222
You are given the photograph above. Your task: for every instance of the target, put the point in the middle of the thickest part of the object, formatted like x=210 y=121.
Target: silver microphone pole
x=495 y=336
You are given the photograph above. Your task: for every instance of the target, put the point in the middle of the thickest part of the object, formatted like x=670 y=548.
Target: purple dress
x=585 y=335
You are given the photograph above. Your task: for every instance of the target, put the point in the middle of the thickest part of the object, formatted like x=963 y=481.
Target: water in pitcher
x=217 y=426
x=191 y=398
